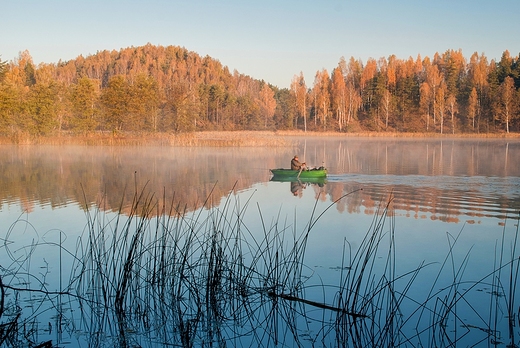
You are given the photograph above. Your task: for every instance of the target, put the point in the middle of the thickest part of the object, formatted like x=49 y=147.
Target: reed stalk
x=162 y=274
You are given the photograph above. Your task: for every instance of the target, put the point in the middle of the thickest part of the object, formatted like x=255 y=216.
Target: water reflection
x=277 y=275
x=57 y=176
x=443 y=179
x=216 y=278
x=297 y=185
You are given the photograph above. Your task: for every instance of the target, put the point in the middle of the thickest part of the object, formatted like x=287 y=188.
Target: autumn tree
x=339 y=97
x=434 y=79
x=10 y=108
x=156 y=88
x=115 y=99
x=478 y=71
x=425 y=102
x=179 y=110
x=452 y=108
x=3 y=69
x=267 y=103
x=390 y=71
x=14 y=92
x=17 y=74
x=299 y=91
x=84 y=98
x=440 y=104
x=45 y=74
x=42 y=109
x=352 y=74
x=321 y=97
x=507 y=107
x=493 y=99
x=472 y=107
x=144 y=102
x=385 y=103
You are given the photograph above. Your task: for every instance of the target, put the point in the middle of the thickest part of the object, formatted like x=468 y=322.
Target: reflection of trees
x=438 y=204
x=390 y=166
x=56 y=177
x=410 y=171
x=208 y=280
x=479 y=157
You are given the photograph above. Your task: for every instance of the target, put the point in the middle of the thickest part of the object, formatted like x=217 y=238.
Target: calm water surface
x=430 y=195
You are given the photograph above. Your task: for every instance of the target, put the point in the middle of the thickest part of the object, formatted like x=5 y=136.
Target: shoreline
x=222 y=138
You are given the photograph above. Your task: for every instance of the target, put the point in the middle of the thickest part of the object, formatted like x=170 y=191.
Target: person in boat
x=296 y=164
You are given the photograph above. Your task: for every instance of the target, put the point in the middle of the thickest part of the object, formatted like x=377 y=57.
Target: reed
x=281 y=138
x=164 y=274
x=198 y=139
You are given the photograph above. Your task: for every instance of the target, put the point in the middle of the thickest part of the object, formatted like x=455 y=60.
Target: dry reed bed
x=219 y=138
x=200 y=139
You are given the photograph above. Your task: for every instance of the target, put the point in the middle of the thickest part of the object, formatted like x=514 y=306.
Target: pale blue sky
x=267 y=39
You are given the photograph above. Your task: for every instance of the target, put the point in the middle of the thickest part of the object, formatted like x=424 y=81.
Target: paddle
x=301 y=168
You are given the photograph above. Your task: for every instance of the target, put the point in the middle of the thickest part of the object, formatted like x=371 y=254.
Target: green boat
x=304 y=174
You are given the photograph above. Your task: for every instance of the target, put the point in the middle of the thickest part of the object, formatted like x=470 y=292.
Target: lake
x=408 y=242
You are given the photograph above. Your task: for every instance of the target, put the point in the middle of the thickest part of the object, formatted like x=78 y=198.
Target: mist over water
x=435 y=174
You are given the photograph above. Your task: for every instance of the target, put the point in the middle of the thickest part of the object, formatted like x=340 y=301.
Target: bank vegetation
x=171 y=90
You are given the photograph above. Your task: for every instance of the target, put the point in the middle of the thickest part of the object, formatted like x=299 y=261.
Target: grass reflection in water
x=161 y=276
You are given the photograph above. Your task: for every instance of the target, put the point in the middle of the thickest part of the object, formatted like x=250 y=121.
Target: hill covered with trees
x=171 y=89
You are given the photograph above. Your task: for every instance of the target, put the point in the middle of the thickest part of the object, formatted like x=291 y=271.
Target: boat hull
x=304 y=174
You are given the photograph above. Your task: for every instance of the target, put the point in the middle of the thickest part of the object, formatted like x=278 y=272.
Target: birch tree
x=425 y=102
x=440 y=104
x=322 y=96
x=386 y=105
x=352 y=73
x=507 y=100
x=339 y=97
x=473 y=107
x=452 y=107
x=478 y=74
x=299 y=90
x=433 y=78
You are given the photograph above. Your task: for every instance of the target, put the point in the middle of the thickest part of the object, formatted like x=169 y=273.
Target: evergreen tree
x=285 y=113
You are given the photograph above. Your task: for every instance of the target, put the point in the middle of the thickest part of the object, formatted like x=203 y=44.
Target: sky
x=270 y=40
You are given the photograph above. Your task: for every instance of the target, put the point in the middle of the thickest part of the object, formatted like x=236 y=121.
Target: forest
x=172 y=90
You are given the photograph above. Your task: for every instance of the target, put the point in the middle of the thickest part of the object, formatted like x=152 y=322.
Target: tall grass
x=280 y=138
x=195 y=139
x=165 y=276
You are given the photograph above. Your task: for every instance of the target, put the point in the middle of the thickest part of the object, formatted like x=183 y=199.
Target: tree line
x=170 y=89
